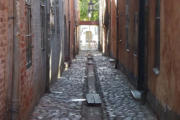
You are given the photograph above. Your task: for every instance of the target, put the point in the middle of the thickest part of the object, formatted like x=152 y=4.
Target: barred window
x=28 y=35
x=157 y=38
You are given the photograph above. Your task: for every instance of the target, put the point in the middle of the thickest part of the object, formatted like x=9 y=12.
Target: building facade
x=142 y=36
x=33 y=36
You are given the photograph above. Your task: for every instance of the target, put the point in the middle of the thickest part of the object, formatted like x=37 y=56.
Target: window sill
x=156 y=71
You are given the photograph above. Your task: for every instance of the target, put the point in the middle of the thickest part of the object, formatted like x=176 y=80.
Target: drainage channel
x=92 y=108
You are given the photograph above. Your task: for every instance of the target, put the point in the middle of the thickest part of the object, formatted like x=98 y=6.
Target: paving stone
x=58 y=105
x=115 y=88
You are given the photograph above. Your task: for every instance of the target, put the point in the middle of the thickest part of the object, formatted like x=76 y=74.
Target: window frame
x=28 y=35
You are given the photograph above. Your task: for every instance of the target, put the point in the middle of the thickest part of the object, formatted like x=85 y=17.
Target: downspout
x=15 y=76
x=140 y=93
x=110 y=32
x=141 y=44
x=69 y=25
x=69 y=32
x=47 y=90
x=117 y=34
x=74 y=14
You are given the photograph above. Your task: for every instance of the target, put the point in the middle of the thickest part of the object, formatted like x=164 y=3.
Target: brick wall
x=3 y=56
x=18 y=84
x=28 y=84
x=25 y=75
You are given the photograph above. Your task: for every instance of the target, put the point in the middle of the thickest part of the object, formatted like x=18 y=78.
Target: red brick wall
x=25 y=75
x=3 y=56
x=28 y=81
x=27 y=90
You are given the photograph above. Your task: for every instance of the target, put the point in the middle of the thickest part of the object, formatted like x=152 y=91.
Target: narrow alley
x=89 y=60
x=66 y=99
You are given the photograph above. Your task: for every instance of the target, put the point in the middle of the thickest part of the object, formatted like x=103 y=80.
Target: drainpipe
x=15 y=76
x=69 y=31
x=140 y=93
x=141 y=44
x=69 y=22
x=47 y=89
x=117 y=34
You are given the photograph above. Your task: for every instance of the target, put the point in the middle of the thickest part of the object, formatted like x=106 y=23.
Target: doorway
x=88 y=37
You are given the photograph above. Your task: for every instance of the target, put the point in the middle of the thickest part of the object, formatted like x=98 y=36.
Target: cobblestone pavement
x=58 y=105
x=115 y=89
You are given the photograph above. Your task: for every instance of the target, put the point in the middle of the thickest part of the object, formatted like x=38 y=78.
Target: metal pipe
x=15 y=82
x=117 y=34
x=47 y=56
x=141 y=44
x=10 y=58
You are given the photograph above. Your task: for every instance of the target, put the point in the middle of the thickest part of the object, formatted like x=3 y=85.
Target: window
x=157 y=39
x=42 y=26
x=28 y=35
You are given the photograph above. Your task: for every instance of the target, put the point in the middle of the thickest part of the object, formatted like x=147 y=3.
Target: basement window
x=28 y=35
x=157 y=40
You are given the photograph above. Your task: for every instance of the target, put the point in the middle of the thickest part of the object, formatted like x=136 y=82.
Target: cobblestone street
x=59 y=104
x=115 y=89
